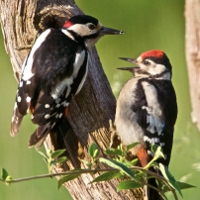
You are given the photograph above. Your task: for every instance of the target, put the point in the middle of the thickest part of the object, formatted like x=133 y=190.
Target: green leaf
x=154 y=148
x=93 y=150
x=4 y=173
x=8 y=180
x=43 y=155
x=61 y=160
x=49 y=152
x=128 y=184
x=134 y=161
x=165 y=172
x=117 y=165
x=57 y=153
x=107 y=176
x=66 y=178
x=182 y=186
x=113 y=152
x=158 y=154
x=130 y=146
x=140 y=176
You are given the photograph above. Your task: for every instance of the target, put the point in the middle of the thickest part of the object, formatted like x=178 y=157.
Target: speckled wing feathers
x=47 y=83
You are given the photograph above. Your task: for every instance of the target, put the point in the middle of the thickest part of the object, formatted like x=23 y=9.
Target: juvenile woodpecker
x=53 y=72
x=146 y=108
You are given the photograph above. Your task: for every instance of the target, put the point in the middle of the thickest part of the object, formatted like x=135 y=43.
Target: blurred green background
x=147 y=25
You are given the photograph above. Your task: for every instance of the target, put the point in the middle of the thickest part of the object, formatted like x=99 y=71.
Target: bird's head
x=89 y=29
x=153 y=63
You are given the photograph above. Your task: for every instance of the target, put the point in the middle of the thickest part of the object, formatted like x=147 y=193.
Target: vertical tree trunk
x=192 y=16
x=90 y=110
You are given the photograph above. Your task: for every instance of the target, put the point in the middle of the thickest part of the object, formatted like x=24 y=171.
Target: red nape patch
x=152 y=53
x=67 y=24
x=66 y=112
x=143 y=156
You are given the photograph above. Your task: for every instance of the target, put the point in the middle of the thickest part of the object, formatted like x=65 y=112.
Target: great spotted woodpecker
x=53 y=72
x=146 y=108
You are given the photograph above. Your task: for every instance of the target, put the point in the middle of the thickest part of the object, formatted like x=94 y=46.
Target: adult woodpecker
x=53 y=72
x=146 y=108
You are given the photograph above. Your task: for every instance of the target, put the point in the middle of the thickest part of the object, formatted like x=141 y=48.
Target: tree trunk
x=192 y=16
x=92 y=108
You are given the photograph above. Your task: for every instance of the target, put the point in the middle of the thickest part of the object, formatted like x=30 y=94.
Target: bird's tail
x=62 y=137
x=39 y=136
x=16 y=122
x=152 y=194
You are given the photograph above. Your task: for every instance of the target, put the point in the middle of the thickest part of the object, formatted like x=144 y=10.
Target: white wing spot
x=57 y=115
x=47 y=116
x=15 y=106
x=58 y=100
x=13 y=118
x=55 y=96
x=19 y=99
x=28 y=82
x=47 y=106
x=147 y=139
x=53 y=124
x=21 y=84
x=65 y=104
x=162 y=144
x=61 y=114
x=28 y=99
x=156 y=140
x=57 y=105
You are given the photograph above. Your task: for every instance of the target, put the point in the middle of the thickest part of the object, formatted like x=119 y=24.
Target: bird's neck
x=74 y=36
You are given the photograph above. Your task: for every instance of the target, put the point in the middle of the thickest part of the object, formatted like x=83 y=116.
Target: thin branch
x=83 y=171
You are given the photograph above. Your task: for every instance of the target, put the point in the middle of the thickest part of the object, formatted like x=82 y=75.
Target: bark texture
x=192 y=16
x=89 y=111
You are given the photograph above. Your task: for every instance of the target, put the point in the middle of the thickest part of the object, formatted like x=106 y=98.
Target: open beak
x=110 y=31
x=131 y=69
x=133 y=60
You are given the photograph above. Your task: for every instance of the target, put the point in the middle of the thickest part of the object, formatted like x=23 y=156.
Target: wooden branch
x=89 y=112
x=192 y=16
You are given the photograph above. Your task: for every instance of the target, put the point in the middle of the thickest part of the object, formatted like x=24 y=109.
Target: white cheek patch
x=80 y=29
x=155 y=69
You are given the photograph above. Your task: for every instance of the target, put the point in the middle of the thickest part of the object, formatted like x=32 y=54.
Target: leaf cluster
x=118 y=166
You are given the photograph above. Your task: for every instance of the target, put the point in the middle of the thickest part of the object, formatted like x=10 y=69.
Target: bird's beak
x=131 y=69
x=109 y=31
x=133 y=60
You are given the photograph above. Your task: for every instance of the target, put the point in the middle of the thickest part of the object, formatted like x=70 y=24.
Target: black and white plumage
x=55 y=71
x=146 y=108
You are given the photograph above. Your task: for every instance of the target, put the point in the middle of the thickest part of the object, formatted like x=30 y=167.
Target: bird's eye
x=91 y=26
x=145 y=62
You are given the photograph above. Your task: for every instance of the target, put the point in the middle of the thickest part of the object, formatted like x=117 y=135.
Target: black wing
x=47 y=69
